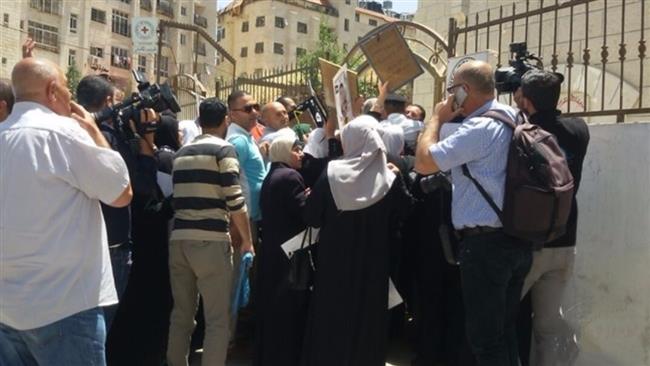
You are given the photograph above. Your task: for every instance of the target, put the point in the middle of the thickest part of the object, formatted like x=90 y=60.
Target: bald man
x=492 y=265
x=55 y=269
x=276 y=120
x=6 y=99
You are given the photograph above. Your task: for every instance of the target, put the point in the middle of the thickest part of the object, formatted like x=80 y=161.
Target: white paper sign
x=295 y=243
x=145 y=38
x=394 y=298
x=342 y=97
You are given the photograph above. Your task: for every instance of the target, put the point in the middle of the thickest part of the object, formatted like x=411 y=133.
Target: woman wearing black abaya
x=357 y=205
x=281 y=312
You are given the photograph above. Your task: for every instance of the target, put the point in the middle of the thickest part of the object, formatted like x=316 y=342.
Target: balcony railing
x=201 y=21
x=165 y=8
x=146 y=5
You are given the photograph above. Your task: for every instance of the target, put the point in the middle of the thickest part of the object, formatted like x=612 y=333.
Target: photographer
x=96 y=93
x=493 y=265
x=553 y=265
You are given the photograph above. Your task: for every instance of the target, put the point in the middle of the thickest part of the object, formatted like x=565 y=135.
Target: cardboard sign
x=327 y=71
x=342 y=98
x=391 y=58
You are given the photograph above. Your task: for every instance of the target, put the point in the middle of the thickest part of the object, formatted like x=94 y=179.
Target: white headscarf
x=393 y=137
x=280 y=150
x=361 y=178
x=317 y=145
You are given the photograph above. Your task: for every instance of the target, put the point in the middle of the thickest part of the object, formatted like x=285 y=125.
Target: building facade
x=265 y=34
x=95 y=36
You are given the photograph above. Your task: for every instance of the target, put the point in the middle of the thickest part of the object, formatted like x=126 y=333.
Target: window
x=126 y=1
x=98 y=15
x=300 y=52
x=260 y=21
x=244 y=52
x=183 y=39
x=120 y=57
x=5 y=19
x=244 y=27
x=183 y=10
x=372 y=22
x=4 y=60
x=142 y=64
x=181 y=69
x=302 y=27
x=259 y=47
x=356 y=17
x=278 y=48
x=164 y=66
x=279 y=22
x=72 y=57
x=346 y=25
x=45 y=36
x=221 y=33
x=121 y=23
x=97 y=51
x=73 y=23
x=47 y=6
x=347 y=2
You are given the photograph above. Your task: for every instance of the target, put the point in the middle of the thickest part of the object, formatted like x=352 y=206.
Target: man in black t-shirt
x=552 y=267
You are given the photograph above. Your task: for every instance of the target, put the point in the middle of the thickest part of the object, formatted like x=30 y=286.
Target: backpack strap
x=500 y=116
x=483 y=192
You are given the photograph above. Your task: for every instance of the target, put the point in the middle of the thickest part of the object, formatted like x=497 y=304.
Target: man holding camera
x=55 y=272
x=493 y=265
x=553 y=265
x=95 y=93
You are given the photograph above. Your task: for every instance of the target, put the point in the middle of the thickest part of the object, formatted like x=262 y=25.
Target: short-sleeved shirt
x=54 y=259
x=482 y=143
x=206 y=189
x=252 y=166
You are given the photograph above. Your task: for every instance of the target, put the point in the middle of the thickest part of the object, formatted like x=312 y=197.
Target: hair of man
x=478 y=75
x=542 y=89
x=6 y=94
x=234 y=96
x=212 y=113
x=93 y=91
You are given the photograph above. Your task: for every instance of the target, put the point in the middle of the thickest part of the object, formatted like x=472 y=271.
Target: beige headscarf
x=361 y=178
x=280 y=150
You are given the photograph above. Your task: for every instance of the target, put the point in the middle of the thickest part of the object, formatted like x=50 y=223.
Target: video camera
x=508 y=79
x=154 y=96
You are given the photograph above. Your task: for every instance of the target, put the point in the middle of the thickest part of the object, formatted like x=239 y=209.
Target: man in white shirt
x=55 y=272
x=395 y=109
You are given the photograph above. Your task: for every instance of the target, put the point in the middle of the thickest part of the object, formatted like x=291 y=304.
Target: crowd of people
x=114 y=235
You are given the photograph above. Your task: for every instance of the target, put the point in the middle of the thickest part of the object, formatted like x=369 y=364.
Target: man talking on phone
x=493 y=265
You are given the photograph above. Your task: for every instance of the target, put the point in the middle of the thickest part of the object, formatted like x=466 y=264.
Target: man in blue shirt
x=493 y=265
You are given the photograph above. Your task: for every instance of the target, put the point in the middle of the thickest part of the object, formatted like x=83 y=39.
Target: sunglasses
x=248 y=108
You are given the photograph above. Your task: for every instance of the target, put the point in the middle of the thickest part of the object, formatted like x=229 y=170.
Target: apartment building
x=263 y=34
x=95 y=35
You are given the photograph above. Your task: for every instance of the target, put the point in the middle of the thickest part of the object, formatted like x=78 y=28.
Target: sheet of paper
x=394 y=298
x=294 y=243
x=342 y=97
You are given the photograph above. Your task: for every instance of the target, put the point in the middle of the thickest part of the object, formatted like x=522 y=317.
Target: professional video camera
x=154 y=96
x=508 y=79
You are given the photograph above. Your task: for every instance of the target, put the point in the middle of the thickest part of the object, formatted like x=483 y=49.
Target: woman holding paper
x=281 y=312
x=357 y=205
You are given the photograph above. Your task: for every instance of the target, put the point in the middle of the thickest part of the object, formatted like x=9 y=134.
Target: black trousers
x=493 y=267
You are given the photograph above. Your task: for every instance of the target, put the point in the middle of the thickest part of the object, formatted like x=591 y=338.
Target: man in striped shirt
x=207 y=195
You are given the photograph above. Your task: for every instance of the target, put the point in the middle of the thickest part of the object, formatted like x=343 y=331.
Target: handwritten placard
x=328 y=70
x=391 y=58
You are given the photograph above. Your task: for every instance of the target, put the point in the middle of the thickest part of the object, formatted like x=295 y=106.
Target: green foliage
x=328 y=49
x=74 y=76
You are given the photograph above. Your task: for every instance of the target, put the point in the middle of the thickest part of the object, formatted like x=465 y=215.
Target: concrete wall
x=608 y=301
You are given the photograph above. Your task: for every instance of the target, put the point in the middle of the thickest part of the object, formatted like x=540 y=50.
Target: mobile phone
x=459 y=97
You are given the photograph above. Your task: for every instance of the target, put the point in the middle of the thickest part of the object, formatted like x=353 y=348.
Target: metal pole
x=160 y=32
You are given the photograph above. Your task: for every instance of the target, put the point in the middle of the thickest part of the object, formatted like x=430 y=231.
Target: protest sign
x=327 y=71
x=391 y=58
x=342 y=98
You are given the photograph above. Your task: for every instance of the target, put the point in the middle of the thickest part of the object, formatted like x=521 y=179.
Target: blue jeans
x=121 y=263
x=77 y=340
x=493 y=267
